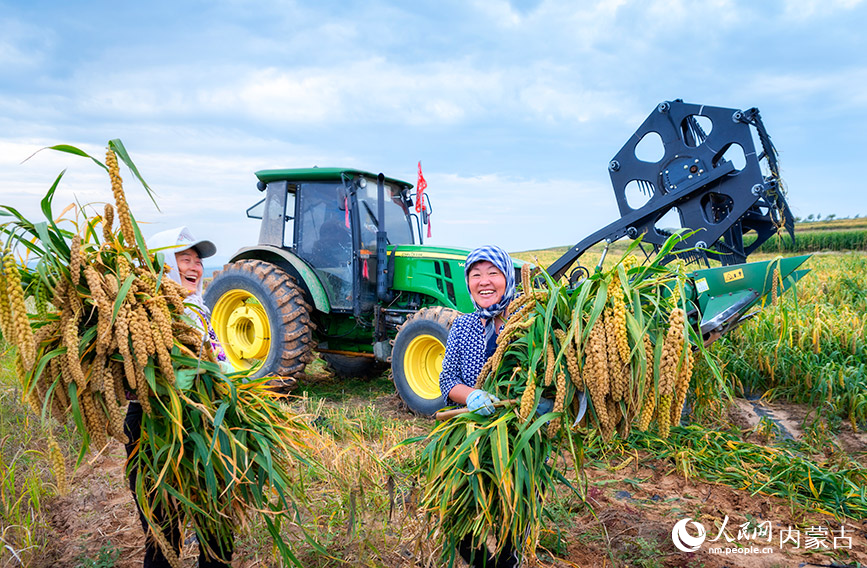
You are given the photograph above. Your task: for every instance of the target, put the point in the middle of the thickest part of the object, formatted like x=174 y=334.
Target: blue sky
x=513 y=108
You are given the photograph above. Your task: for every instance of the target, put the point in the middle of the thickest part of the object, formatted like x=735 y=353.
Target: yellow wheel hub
x=422 y=365
x=243 y=328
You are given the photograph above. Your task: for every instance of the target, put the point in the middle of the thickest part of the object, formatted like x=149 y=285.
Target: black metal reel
x=696 y=177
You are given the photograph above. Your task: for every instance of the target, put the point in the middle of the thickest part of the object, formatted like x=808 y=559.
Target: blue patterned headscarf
x=501 y=259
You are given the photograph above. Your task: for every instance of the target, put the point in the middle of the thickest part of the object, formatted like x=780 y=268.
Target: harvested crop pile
x=622 y=336
x=106 y=323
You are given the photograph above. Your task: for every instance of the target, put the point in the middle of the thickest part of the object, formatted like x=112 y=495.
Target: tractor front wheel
x=417 y=358
x=261 y=318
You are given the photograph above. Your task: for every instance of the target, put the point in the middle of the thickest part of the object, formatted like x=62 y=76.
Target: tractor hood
x=438 y=253
x=435 y=272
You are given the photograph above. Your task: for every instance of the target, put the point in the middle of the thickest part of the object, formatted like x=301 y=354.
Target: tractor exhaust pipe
x=381 y=241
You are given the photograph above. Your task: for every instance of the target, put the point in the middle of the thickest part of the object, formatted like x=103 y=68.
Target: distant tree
x=831 y=217
x=810 y=217
x=818 y=216
x=798 y=219
x=856 y=216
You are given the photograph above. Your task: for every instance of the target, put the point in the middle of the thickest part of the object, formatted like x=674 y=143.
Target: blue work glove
x=545 y=406
x=481 y=402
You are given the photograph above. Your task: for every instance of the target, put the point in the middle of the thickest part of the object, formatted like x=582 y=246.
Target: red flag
x=346 y=208
x=420 y=187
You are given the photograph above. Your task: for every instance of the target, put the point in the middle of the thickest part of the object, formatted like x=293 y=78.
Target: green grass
x=25 y=478
x=837 y=487
x=106 y=557
x=318 y=383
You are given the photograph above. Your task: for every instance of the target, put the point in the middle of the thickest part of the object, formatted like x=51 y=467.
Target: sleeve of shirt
x=451 y=373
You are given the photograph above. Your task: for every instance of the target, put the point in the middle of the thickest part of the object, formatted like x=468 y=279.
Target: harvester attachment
x=697 y=167
x=726 y=294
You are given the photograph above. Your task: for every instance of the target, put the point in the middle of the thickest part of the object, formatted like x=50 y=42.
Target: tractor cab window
x=323 y=239
x=397 y=230
x=397 y=227
x=289 y=231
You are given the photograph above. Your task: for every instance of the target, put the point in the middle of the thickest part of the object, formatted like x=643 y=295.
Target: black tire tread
x=440 y=316
x=294 y=313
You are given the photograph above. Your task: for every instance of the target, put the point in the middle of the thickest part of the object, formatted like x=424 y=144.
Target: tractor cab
x=329 y=218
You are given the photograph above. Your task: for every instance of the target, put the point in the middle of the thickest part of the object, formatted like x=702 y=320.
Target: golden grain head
x=682 y=385
x=6 y=317
x=58 y=465
x=596 y=371
x=549 y=367
x=663 y=417
x=647 y=410
x=123 y=214
x=75 y=260
x=528 y=397
x=71 y=342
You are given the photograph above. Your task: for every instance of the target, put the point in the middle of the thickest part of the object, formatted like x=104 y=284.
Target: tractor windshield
x=398 y=229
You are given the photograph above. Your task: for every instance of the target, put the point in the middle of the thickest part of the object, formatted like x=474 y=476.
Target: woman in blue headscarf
x=490 y=276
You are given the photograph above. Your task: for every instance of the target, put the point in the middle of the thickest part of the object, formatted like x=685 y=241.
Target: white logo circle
x=685 y=541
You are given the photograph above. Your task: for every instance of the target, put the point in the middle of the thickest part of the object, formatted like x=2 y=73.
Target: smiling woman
x=183 y=255
x=486 y=282
x=189 y=268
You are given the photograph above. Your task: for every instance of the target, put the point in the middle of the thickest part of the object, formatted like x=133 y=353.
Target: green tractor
x=337 y=271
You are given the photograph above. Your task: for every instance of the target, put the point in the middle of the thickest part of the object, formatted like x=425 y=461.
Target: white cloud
x=23 y=45
x=806 y=10
x=819 y=90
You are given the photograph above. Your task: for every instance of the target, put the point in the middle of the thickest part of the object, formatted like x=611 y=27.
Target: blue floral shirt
x=467 y=350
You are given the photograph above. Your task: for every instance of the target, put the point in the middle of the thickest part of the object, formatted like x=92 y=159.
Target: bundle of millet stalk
x=618 y=342
x=95 y=321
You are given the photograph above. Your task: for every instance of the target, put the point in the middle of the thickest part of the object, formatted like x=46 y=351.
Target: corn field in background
x=814 y=241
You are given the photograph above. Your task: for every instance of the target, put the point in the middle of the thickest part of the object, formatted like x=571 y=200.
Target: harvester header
x=695 y=167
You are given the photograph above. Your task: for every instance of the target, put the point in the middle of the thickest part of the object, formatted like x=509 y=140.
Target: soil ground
x=635 y=508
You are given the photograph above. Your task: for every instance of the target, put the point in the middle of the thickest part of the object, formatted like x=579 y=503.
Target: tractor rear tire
x=349 y=367
x=417 y=358
x=261 y=318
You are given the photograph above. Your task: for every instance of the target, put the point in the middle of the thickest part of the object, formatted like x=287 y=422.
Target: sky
x=514 y=108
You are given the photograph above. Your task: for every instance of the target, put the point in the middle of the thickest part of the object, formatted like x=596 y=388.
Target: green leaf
x=121 y=296
x=71 y=150
x=121 y=152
